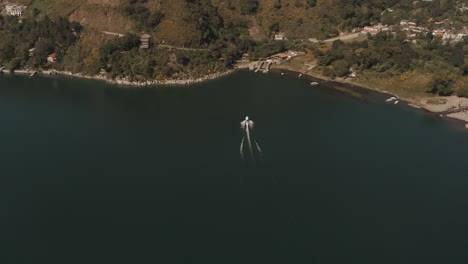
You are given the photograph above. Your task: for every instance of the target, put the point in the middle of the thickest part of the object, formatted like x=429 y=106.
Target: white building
x=279 y=36
x=370 y=30
x=14 y=10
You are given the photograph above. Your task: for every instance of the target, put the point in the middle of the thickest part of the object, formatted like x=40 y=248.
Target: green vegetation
x=190 y=38
x=248 y=7
x=45 y=37
x=56 y=8
x=141 y=16
x=388 y=56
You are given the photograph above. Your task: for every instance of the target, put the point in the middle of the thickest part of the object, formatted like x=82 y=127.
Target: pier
x=263 y=66
x=257 y=66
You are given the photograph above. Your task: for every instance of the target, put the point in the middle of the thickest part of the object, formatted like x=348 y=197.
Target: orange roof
x=281 y=55
x=53 y=55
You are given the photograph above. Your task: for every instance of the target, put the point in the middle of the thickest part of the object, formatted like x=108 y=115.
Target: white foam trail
x=250 y=144
x=258 y=147
x=242 y=149
x=260 y=153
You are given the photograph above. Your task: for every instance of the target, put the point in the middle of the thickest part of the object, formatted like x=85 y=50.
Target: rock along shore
x=125 y=81
x=452 y=106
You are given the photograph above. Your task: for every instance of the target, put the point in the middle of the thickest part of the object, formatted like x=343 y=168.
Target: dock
x=267 y=67
x=265 y=63
x=263 y=66
x=32 y=74
x=258 y=66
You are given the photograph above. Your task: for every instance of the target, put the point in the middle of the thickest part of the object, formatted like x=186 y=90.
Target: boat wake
x=250 y=153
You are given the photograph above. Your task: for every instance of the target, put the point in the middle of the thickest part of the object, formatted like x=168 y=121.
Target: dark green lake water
x=93 y=173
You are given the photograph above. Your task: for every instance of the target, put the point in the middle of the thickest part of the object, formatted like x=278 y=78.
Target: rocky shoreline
x=452 y=107
x=124 y=81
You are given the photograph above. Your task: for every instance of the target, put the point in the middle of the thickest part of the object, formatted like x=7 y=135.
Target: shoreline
x=124 y=82
x=451 y=108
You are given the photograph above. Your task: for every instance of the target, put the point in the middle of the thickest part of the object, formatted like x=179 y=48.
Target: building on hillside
x=438 y=32
x=52 y=57
x=14 y=10
x=280 y=36
x=144 y=40
x=453 y=37
x=31 y=52
x=280 y=56
x=284 y=56
x=370 y=30
x=418 y=29
x=463 y=8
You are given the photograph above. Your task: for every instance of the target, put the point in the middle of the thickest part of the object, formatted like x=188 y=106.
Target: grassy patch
x=56 y=7
x=436 y=101
x=410 y=85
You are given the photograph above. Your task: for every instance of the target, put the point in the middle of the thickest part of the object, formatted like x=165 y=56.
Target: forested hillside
x=189 y=38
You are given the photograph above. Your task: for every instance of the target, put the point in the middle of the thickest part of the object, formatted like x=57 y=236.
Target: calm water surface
x=92 y=173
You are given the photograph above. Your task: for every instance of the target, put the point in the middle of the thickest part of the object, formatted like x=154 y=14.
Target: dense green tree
x=7 y=52
x=248 y=7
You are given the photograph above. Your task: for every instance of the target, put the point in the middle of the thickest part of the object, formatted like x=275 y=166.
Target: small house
x=52 y=57
x=438 y=32
x=280 y=56
x=279 y=36
x=31 y=52
x=144 y=40
x=14 y=10
x=370 y=30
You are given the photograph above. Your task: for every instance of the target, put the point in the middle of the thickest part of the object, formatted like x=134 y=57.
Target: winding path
x=112 y=33
x=181 y=48
x=344 y=37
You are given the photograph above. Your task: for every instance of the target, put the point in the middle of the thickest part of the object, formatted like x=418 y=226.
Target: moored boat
x=32 y=74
